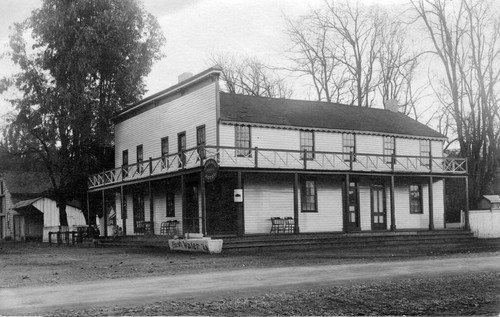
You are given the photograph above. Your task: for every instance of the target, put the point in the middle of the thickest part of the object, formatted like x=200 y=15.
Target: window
x=2 y=200
x=201 y=141
x=164 y=151
x=309 y=196
x=124 y=163
x=416 y=199
x=181 y=148
x=170 y=202
x=425 y=152
x=140 y=158
x=389 y=148
x=307 y=144
x=242 y=140
x=348 y=145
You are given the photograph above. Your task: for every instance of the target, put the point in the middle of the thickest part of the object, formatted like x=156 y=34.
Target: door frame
x=376 y=188
x=352 y=226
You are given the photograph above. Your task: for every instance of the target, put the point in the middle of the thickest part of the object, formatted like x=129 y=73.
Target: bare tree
x=250 y=76
x=465 y=36
x=355 y=54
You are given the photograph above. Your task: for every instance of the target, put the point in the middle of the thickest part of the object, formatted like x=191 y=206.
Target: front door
x=352 y=207
x=192 y=211
x=138 y=210
x=378 y=206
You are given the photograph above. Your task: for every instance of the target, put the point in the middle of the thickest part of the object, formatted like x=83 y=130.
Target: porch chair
x=289 y=225
x=277 y=225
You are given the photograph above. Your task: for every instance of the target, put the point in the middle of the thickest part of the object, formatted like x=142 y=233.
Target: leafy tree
x=87 y=60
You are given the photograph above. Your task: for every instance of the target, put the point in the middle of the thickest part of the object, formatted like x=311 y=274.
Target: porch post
x=393 y=205
x=104 y=215
x=123 y=212
x=346 y=202
x=431 y=204
x=467 y=224
x=185 y=226
x=88 y=210
x=296 y=202
x=151 y=208
x=239 y=209
x=203 y=203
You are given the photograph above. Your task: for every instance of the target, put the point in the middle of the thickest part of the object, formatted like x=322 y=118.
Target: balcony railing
x=279 y=159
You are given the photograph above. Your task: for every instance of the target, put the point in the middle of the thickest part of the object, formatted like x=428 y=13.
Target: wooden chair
x=277 y=225
x=289 y=225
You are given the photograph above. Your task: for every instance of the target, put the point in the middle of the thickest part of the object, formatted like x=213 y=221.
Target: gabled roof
x=318 y=115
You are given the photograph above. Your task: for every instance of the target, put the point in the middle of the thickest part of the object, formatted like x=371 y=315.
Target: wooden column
x=296 y=202
x=431 y=204
x=104 y=215
x=123 y=210
x=203 y=203
x=466 y=215
x=346 y=203
x=239 y=209
x=183 y=207
x=151 y=207
x=88 y=209
x=393 y=205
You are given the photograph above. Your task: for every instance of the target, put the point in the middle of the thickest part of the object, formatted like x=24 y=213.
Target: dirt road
x=30 y=300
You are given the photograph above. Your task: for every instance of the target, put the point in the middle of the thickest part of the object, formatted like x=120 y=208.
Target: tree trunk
x=63 y=216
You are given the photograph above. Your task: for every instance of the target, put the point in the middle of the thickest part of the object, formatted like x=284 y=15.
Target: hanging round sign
x=211 y=168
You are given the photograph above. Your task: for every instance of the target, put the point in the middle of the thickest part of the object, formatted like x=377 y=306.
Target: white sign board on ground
x=196 y=245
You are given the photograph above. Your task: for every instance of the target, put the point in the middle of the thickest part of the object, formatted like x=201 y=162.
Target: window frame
x=125 y=163
x=389 y=151
x=304 y=204
x=164 y=150
x=418 y=199
x=139 y=157
x=201 y=131
x=170 y=202
x=182 y=147
x=311 y=148
x=352 y=147
x=425 y=152
x=243 y=151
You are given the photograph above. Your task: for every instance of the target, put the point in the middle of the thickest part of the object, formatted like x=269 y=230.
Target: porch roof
x=319 y=115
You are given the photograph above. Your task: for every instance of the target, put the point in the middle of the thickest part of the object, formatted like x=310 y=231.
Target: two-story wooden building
x=181 y=153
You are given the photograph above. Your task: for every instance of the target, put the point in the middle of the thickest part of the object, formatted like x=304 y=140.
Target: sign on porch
x=211 y=169
x=238 y=195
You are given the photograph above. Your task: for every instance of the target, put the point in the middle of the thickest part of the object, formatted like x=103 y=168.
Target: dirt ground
x=25 y=264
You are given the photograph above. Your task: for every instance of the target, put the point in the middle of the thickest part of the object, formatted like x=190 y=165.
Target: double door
x=378 y=210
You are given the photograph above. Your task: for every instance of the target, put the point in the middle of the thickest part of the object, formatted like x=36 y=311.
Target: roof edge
x=172 y=89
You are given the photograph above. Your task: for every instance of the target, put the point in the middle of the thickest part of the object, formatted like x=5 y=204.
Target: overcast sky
x=193 y=29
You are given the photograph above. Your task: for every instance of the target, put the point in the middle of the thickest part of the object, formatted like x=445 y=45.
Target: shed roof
x=319 y=115
x=493 y=199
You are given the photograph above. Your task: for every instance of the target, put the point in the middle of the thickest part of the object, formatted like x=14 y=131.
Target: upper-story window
x=242 y=140
x=425 y=152
x=389 y=148
x=181 y=148
x=124 y=163
x=2 y=198
x=140 y=157
x=201 y=141
x=348 y=145
x=164 y=151
x=307 y=144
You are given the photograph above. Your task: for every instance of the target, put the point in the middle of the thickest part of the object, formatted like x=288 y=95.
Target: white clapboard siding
x=405 y=220
x=437 y=148
x=328 y=141
x=365 y=207
x=329 y=215
x=370 y=144
x=51 y=213
x=266 y=197
x=185 y=113
x=407 y=147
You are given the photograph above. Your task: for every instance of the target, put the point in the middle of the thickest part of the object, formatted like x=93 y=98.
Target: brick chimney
x=184 y=76
x=391 y=105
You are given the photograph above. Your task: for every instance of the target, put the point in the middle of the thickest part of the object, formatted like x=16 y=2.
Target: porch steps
x=409 y=240
x=450 y=240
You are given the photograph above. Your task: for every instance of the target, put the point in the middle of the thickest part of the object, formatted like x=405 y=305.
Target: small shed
x=41 y=215
x=490 y=202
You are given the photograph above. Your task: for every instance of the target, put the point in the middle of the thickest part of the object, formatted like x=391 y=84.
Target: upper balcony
x=279 y=159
